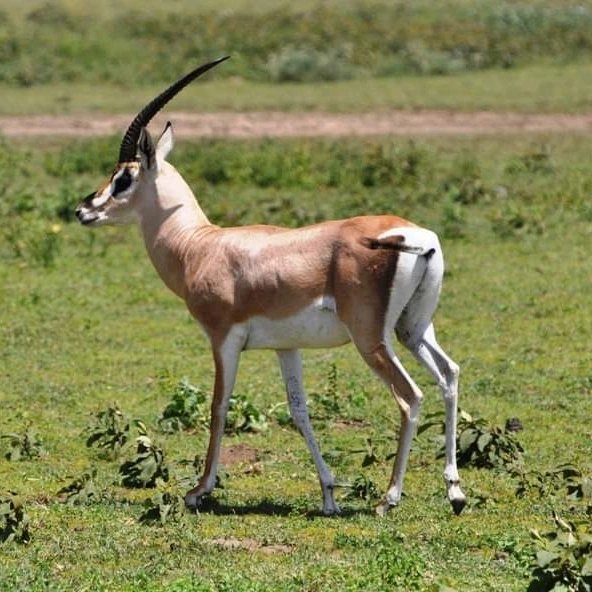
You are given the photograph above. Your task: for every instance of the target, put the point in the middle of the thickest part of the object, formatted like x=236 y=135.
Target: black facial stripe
x=87 y=201
x=122 y=182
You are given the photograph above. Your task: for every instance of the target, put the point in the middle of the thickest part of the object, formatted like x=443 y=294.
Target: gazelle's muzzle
x=85 y=212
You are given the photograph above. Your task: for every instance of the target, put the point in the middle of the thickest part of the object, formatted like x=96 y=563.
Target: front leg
x=226 y=358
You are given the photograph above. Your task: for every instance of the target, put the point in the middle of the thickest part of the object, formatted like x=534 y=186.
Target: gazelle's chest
x=316 y=325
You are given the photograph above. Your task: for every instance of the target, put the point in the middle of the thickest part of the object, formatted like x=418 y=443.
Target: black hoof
x=458 y=505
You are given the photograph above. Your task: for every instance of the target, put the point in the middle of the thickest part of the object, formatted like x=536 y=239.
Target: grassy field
x=530 y=89
x=85 y=323
x=133 y=44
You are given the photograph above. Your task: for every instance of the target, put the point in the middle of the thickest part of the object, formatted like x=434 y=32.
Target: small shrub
x=25 y=446
x=243 y=416
x=188 y=409
x=478 y=444
x=563 y=558
x=110 y=432
x=81 y=491
x=326 y=404
x=563 y=478
x=363 y=488
x=14 y=522
x=454 y=220
x=147 y=466
x=163 y=508
x=371 y=454
x=307 y=64
x=535 y=162
x=465 y=185
x=514 y=219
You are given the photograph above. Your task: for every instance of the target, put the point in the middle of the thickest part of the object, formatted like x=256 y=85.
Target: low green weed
x=110 y=431
x=362 y=487
x=563 y=558
x=148 y=465
x=25 y=446
x=243 y=416
x=188 y=409
x=478 y=443
x=82 y=490
x=162 y=508
x=14 y=521
x=565 y=479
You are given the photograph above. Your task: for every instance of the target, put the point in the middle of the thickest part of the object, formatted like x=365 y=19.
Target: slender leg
x=291 y=367
x=226 y=361
x=427 y=350
x=408 y=396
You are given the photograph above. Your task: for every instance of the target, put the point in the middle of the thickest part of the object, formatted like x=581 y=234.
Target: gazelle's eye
x=121 y=183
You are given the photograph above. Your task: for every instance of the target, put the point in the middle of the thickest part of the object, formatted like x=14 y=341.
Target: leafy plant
x=243 y=416
x=110 y=432
x=563 y=558
x=326 y=404
x=362 y=487
x=14 y=522
x=371 y=454
x=82 y=490
x=163 y=507
x=566 y=478
x=478 y=443
x=147 y=466
x=187 y=409
x=25 y=446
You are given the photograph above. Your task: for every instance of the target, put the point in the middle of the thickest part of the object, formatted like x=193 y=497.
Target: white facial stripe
x=102 y=199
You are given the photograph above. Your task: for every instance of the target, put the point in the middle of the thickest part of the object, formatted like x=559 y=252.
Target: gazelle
x=264 y=287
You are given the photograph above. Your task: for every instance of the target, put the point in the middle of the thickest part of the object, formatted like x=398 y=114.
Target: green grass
x=141 y=43
x=85 y=322
x=529 y=89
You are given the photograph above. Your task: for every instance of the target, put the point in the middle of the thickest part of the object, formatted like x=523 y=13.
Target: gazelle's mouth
x=86 y=218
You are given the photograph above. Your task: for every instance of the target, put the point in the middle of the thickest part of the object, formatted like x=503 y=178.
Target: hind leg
x=408 y=397
x=291 y=367
x=446 y=372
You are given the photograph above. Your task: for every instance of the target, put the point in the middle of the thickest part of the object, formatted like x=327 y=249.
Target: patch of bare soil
x=279 y=124
x=250 y=545
x=238 y=454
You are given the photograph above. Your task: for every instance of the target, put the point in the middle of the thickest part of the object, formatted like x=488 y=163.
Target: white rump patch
x=418 y=241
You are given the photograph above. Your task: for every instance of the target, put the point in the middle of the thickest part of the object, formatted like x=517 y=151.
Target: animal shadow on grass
x=211 y=505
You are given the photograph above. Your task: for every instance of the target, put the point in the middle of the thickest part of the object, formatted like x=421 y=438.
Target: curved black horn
x=127 y=151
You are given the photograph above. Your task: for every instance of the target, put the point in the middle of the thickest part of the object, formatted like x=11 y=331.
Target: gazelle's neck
x=169 y=218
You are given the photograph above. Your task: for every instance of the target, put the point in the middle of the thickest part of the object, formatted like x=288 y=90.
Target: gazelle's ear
x=146 y=149
x=166 y=142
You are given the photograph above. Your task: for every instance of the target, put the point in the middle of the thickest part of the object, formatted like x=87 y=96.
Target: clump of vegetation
x=82 y=490
x=36 y=242
x=25 y=446
x=564 y=478
x=563 y=558
x=188 y=409
x=109 y=432
x=479 y=444
x=308 y=64
x=14 y=522
x=293 y=44
x=147 y=466
x=164 y=507
x=362 y=487
x=532 y=163
x=243 y=416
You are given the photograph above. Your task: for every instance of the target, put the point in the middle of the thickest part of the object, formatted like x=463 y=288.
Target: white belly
x=314 y=326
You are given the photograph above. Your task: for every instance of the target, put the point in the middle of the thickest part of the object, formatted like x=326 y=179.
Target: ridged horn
x=127 y=151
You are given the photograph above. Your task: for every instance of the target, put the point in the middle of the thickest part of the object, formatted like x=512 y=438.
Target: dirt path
x=276 y=124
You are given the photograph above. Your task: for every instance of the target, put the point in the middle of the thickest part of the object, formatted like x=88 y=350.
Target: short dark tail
x=396 y=243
